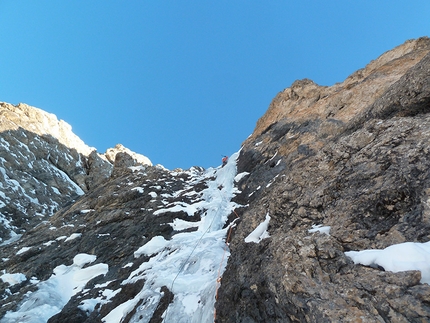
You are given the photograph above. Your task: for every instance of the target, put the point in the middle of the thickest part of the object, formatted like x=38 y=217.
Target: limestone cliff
x=354 y=157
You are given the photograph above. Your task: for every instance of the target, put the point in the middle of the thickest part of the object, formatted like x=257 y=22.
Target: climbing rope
x=227 y=241
x=191 y=253
x=218 y=280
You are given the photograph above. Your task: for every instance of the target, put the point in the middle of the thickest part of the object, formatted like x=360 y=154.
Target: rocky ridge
x=353 y=157
x=44 y=165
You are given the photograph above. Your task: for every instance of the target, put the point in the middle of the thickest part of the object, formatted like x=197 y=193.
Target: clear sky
x=184 y=82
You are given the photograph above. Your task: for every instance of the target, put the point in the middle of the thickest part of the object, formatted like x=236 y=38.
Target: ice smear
x=260 y=232
x=191 y=303
x=146 y=309
x=399 y=257
x=55 y=292
x=189 y=263
x=66 y=178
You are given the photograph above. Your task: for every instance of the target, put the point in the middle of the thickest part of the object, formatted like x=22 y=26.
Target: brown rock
x=355 y=157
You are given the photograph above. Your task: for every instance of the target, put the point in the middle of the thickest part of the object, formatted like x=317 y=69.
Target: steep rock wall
x=355 y=157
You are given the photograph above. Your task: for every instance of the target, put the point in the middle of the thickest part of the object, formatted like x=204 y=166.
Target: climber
x=224 y=161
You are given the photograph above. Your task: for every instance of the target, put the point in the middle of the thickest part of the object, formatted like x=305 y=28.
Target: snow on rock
x=22 y=250
x=73 y=236
x=238 y=177
x=13 y=279
x=137 y=168
x=260 y=232
x=139 y=189
x=399 y=257
x=112 y=152
x=320 y=228
x=179 y=224
x=189 y=209
x=155 y=245
x=54 y=293
x=105 y=297
x=13 y=236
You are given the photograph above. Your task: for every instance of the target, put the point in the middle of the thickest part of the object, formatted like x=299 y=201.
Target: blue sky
x=184 y=82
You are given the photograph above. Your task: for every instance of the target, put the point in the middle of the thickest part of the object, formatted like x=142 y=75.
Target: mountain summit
x=323 y=215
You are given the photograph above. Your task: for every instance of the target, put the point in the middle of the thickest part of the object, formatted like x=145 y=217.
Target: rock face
x=132 y=157
x=43 y=166
x=354 y=157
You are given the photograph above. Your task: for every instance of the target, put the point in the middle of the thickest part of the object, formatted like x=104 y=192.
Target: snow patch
x=179 y=224
x=153 y=246
x=260 y=232
x=73 y=236
x=320 y=228
x=13 y=279
x=187 y=208
x=238 y=177
x=139 y=189
x=399 y=257
x=22 y=250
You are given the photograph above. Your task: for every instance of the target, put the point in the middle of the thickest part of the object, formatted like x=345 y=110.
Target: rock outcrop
x=44 y=166
x=131 y=157
x=355 y=157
